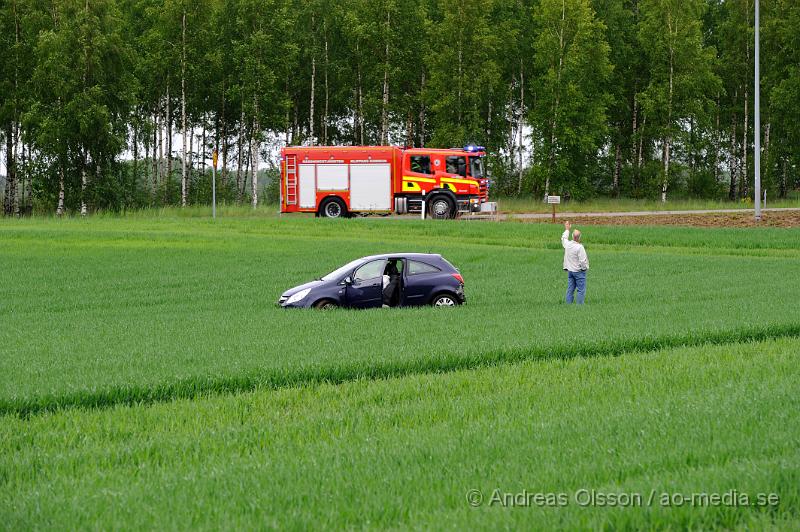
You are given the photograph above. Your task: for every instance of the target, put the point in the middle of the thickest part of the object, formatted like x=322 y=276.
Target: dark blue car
x=391 y=280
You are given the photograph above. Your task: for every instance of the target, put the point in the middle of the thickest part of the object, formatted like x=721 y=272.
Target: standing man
x=576 y=263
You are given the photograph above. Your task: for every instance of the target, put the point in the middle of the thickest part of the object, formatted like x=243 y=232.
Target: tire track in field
x=211 y=385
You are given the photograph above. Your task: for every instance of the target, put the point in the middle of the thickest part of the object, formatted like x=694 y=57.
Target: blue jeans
x=576 y=280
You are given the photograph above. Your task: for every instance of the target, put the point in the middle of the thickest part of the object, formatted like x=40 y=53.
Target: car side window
x=420 y=164
x=371 y=270
x=457 y=164
x=416 y=268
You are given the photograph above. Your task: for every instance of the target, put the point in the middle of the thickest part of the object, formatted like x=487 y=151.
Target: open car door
x=366 y=288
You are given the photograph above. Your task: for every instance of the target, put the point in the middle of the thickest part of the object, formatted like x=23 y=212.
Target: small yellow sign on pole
x=214 y=158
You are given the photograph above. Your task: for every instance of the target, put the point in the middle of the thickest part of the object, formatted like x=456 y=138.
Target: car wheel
x=333 y=208
x=441 y=208
x=444 y=300
x=325 y=304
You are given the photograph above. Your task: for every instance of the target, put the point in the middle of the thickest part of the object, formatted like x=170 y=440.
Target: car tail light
x=458 y=277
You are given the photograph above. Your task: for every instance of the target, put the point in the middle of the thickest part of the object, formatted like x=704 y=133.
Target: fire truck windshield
x=476 y=167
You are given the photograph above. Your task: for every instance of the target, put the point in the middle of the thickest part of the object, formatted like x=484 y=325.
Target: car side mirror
x=348 y=280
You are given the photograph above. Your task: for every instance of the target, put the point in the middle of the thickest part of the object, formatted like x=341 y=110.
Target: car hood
x=297 y=288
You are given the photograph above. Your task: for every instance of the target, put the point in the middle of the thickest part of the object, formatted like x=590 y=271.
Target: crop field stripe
x=275 y=379
x=401 y=453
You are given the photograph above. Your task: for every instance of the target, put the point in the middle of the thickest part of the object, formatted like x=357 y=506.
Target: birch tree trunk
x=248 y=168
x=83 y=148
x=168 y=179
x=617 y=164
x=202 y=151
x=24 y=177
x=254 y=159
x=422 y=112
x=359 y=103
x=743 y=181
x=385 y=106
x=190 y=162
x=521 y=126
x=224 y=134
x=156 y=154
x=733 y=158
x=239 y=161
x=716 y=144
x=554 y=121
x=146 y=162
x=11 y=172
x=783 y=188
x=295 y=124
x=640 y=152
x=83 y=183
x=635 y=112
x=160 y=146
x=692 y=153
x=60 y=206
x=311 y=102
x=288 y=124
x=183 y=108
x=135 y=151
x=460 y=75
x=668 y=137
x=327 y=93
x=513 y=121
x=767 y=167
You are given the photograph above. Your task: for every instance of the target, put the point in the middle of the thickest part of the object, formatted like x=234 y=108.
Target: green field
x=147 y=379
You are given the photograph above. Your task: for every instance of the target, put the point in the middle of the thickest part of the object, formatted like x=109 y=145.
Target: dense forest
x=114 y=104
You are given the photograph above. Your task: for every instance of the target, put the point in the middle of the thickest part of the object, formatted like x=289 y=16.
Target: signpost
x=214 y=185
x=757 y=125
x=554 y=200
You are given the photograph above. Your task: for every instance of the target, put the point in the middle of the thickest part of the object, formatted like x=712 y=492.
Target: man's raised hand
x=567 y=225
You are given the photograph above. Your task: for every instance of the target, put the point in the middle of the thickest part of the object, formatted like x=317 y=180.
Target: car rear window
x=416 y=268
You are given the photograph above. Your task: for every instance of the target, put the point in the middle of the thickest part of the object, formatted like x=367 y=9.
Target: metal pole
x=214 y=192
x=214 y=187
x=757 y=126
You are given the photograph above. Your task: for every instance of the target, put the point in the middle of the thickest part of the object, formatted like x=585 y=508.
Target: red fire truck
x=341 y=181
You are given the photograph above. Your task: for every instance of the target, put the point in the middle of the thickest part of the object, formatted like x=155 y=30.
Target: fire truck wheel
x=325 y=304
x=441 y=207
x=333 y=208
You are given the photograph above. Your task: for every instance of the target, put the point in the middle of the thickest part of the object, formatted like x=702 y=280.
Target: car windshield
x=345 y=270
x=476 y=167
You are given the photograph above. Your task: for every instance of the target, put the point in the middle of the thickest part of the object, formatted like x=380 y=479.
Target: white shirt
x=575 y=259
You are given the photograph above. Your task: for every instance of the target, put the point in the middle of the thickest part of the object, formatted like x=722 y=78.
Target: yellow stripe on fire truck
x=458 y=181
x=412 y=183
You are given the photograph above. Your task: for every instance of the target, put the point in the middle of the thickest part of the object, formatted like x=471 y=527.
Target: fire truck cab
x=342 y=181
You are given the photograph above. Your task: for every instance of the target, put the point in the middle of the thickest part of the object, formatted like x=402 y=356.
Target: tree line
x=112 y=104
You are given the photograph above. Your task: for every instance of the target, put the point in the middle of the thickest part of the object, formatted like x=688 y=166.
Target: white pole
x=757 y=125
x=214 y=186
x=214 y=192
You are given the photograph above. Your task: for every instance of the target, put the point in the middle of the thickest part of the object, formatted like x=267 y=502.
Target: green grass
x=113 y=310
x=530 y=204
x=402 y=453
x=147 y=380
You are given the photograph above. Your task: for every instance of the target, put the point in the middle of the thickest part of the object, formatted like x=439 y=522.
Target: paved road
x=564 y=215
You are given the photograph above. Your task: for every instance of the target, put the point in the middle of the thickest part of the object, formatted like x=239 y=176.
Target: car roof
x=428 y=256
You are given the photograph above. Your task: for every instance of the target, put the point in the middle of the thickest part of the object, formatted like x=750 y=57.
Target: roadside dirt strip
x=787 y=217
